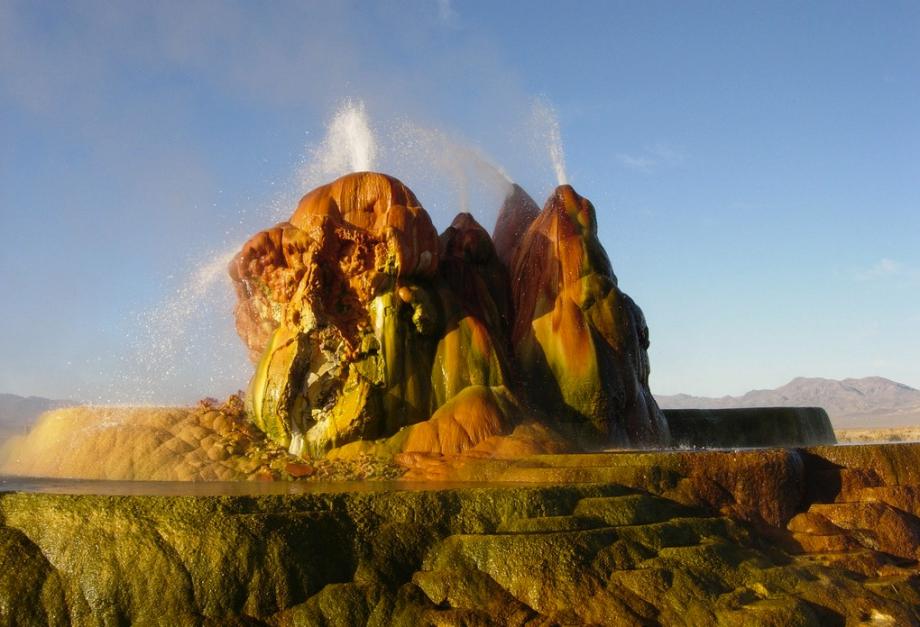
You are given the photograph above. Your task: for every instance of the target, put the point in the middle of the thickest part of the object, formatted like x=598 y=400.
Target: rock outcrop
x=516 y=215
x=580 y=342
x=749 y=427
x=363 y=322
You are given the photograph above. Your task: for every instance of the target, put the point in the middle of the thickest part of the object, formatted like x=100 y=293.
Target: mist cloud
x=651 y=157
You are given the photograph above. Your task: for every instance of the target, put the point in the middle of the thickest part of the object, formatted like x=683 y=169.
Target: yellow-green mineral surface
x=818 y=536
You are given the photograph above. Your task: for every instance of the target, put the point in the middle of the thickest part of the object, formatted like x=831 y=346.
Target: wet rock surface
x=644 y=550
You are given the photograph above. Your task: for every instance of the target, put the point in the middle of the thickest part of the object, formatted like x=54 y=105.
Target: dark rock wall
x=749 y=426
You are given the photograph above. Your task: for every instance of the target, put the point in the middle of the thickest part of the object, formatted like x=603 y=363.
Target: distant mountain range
x=18 y=413
x=851 y=403
x=870 y=402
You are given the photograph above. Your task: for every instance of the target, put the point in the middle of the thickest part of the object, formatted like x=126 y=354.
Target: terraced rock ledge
x=811 y=536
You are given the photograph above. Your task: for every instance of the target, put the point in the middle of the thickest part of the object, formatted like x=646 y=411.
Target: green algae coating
x=505 y=555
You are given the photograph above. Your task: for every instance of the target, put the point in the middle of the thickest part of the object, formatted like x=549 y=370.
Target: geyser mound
x=581 y=343
x=374 y=336
x=365 y=325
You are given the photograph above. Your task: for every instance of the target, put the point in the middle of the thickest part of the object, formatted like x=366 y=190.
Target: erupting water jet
x=547 y=121
x=349 y=145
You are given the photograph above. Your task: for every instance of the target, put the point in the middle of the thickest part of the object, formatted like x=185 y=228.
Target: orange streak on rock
x=460 y=424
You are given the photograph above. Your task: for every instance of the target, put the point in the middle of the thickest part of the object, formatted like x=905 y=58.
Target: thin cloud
x=651 y=157
x=883 y=268
x=446 y=13
x=636 y=162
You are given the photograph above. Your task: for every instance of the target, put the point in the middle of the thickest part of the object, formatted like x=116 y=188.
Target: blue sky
x=755 y=167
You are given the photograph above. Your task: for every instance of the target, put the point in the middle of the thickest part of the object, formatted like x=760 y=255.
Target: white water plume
x=547 y=123
x=189 y=333
x=348 y=146
x=427 y=158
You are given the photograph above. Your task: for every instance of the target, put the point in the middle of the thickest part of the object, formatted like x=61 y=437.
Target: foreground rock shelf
x=821 y=535
x=216 y=442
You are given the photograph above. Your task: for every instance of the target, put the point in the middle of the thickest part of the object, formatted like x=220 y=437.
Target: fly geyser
x=372 y=333
x=475 y=376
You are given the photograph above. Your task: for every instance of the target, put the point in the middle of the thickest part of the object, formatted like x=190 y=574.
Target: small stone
x=830 y=543
x=813 y=524
x=299 y=470
x=264 y=475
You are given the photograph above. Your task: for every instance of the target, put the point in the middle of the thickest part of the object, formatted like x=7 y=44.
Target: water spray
x=421 y=153
x=171 y=337
x=547 y=122
x=349 y=145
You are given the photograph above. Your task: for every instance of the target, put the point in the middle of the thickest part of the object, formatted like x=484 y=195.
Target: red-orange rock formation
x=517 y=214
x=357 y=329
x=387 y=210
x=580 y=342
x=363 y=321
